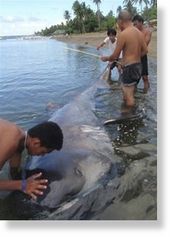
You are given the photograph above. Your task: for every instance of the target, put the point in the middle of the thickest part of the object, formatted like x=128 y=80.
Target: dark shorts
x=131 y=74
x=144 y=62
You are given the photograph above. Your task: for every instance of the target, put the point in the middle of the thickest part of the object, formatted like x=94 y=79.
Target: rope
x=80 y=51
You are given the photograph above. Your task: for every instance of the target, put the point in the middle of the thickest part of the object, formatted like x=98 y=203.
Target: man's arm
x=148 y=36
x=6 y=151
x=15 y=163
x=101 y=45
x=119 y=46
x=10 y=185
x=144 y=48
x=33 y=186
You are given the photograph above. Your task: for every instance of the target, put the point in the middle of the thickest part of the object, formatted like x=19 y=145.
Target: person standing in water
x=39 y=140
x=110 y=42
x=138 y=22
x=132 y=44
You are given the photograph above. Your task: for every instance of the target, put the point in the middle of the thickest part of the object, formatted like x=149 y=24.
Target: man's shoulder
x=122 y=35
x=106 y=40
x=10 y=130
x=146 y=30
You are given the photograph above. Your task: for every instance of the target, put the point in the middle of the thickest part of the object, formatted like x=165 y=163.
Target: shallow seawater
x=39 y=77
x=135 y=144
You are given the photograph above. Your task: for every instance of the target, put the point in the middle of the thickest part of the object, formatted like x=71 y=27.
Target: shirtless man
x=132 y=44
x=138 y=22
x=39 y=140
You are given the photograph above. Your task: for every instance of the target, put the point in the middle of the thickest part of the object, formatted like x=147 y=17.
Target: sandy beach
x=94 y=39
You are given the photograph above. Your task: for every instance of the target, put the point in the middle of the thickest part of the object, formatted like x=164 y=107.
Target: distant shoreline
x=94 y=39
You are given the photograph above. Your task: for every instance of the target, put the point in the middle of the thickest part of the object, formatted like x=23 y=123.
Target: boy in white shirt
x=111 y=41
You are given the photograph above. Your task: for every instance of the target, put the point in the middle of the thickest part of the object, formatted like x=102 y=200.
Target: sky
x=24 y=17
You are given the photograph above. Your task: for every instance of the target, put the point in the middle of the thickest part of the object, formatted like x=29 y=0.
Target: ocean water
x=39 y=76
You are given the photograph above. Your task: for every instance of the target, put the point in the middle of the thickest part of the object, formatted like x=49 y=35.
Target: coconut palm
x=153 y=2
x=119 y=9
x=130 y=8
x=140 y=2
x=98 y=2
x=67 y=15
x=79 y=11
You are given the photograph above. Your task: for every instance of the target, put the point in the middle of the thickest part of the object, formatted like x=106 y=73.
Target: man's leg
x=128 y=95
x=144 y=61
x=146 y=83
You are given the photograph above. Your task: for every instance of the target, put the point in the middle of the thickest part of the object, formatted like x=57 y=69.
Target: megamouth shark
x=82 y=177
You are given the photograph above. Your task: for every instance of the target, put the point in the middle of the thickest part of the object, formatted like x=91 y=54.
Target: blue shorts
x=131 y=74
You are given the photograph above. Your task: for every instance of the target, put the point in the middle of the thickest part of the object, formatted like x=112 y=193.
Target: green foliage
x=110 y=21
x=129 y=7
x=98 y=2
x=150 y=14
x=87 y=20
x=67 y=15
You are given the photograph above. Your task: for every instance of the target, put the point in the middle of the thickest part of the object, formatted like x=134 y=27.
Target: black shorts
x=131 y=74
x=144 y=62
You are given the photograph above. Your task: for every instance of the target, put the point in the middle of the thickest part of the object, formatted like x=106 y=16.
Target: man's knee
x=130 y=100
x=130 y=103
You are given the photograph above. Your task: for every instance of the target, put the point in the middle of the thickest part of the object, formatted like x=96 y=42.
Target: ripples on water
x=36 y=74
x=135 y=145
x=38 y=77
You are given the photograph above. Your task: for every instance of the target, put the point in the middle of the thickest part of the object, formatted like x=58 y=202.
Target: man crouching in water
x=132 y=44
x=39 y=140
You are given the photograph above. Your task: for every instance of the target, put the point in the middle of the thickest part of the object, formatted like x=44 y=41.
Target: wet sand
x=94 y=39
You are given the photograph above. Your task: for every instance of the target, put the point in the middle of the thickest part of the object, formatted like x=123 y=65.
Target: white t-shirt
x=111 y=45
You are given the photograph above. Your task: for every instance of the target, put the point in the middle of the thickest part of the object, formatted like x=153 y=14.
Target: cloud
x=11 y=19
x=35 y=19
x=16 y=19
x=21 y=26
x=16 y=25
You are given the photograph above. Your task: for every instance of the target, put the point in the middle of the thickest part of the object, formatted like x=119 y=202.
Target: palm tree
x=130 y=8
x=146 y=2
x=119 y=9
x=67 y=16
x=98 y=2
x=153 y=2
x=79 y=11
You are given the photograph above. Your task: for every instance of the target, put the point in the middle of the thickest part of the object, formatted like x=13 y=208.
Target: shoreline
x=94 y=39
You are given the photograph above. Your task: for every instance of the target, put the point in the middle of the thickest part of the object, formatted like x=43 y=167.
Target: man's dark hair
x=138 y=18
x=49 y=134
x=111 y=32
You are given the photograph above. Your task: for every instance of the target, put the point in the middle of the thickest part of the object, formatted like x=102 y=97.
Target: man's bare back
x=131 y=42
x=10 y=141
x=133 y=45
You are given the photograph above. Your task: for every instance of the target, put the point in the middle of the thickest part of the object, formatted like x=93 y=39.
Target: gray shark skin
x=87 y=179
x=82 y=177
